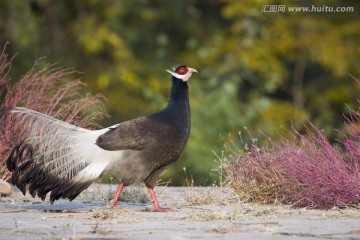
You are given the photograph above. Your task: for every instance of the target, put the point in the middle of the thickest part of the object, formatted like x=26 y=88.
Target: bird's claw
x=113 y=206
x=118 y=208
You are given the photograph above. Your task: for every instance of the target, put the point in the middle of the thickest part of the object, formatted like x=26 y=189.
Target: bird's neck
x=177 y=110
x=179 y=92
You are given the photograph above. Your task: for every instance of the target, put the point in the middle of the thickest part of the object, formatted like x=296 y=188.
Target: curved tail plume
x=54 y=156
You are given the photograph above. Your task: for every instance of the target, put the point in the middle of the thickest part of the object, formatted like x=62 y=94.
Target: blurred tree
x=298 y=58
x=257 y=69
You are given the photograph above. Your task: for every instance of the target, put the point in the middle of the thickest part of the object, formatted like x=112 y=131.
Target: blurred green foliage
x=256 y=69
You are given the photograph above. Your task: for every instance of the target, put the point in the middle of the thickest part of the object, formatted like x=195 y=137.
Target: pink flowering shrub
x=305 y=171
x=47 y=89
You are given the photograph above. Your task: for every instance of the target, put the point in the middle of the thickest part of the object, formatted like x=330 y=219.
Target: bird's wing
x=131 y=135
x=55 y=156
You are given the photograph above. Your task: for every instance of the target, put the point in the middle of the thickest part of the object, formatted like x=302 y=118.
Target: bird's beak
x=193 y=70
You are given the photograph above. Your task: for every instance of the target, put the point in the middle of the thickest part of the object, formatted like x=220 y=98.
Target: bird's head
x=183 y=72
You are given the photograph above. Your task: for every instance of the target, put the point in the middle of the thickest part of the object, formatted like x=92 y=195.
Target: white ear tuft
x=174 y=74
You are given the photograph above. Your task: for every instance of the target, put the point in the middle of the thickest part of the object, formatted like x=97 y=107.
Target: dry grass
x=198 y=196
x=97 y=214
x=214 y=216
x=105 y=214
x=304 y=171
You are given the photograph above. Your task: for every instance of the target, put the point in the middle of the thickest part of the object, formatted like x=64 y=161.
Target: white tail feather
x=65 y=150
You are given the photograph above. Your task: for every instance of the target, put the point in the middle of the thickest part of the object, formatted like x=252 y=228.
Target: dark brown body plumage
x=152 y=142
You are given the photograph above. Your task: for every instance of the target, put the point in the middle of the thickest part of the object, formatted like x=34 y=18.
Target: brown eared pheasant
x=63 y=159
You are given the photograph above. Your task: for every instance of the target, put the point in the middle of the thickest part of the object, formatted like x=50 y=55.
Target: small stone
x=5 y=188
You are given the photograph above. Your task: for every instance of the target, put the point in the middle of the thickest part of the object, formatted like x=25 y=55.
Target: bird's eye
x=182 y=70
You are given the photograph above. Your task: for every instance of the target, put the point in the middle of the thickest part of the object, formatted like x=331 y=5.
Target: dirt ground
x=201 y=213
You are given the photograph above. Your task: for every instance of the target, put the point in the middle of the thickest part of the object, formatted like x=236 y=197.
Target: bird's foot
x=157 y=207
x=118 y=208
x=113 y=206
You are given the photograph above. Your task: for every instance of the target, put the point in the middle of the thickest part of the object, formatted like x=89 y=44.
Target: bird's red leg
x=116 y=196
x=157 y=207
